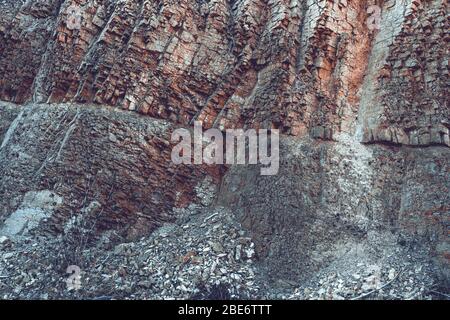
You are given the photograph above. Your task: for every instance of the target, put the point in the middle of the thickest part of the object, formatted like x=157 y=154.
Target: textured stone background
x=364 y=116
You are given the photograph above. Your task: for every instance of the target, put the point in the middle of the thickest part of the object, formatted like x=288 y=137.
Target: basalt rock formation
x=91 y=91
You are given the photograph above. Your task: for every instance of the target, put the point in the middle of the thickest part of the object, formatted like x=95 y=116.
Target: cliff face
x=298 y=66
x=91 y=97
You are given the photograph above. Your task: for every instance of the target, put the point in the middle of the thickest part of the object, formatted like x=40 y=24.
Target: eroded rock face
x=294 y=65
x=306 y=222
x=412 y=106
x=85 y=155
x=364 y=117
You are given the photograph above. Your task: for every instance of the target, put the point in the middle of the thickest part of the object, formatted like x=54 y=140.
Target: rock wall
x=297 y=66
x=113 y=168
x=364 y=116
x=305 y=222
x=412 y=102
